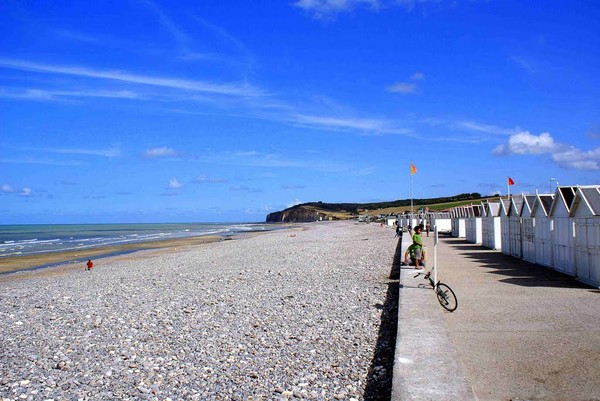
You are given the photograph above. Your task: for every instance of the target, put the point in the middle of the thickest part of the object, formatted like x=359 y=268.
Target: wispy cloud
x=325 y=8
x=289 y=186
x=523 y=63
x=403 y=87
x=156 y=153
x=42 y=94
x=174 y=184
x=294 y=203
x=203 y=179
x=566 y=156
x=110 y=152
x=182 y=40
x=407 y=87
x=417 y=76
x=322 y=9
x=74 y=36
x=43 y=161
x=486 y=128
x=363 y=172
x=364 y=125
x=173 y=83
x=244 y=189
x=7 y=189
x=577 y=159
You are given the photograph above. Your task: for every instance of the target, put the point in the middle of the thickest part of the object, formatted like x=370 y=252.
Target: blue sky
x=145 y=111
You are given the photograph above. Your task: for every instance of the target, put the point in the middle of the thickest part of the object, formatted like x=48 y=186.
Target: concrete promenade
x=521 y=331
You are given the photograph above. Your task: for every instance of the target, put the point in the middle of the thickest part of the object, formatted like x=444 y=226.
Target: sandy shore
x=280 y=315
x=17 y=263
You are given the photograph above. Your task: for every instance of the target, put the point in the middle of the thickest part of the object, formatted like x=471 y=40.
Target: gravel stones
x=261 y=318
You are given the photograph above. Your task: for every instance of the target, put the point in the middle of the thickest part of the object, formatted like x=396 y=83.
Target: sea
x=23 y=240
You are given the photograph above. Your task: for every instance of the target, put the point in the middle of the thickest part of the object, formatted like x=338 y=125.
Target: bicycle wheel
x=446 y=297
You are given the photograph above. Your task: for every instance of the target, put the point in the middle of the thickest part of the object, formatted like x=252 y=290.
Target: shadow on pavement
x=517 y=271
x=379 y=377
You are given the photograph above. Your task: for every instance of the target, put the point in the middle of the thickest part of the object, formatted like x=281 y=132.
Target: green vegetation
x=432 y=203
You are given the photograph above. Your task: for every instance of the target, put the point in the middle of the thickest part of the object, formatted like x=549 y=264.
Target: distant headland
x=316 y=211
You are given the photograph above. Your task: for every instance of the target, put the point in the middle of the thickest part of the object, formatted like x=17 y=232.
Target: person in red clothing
x=90 y=264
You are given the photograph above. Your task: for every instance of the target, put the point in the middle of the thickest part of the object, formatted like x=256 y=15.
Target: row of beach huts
x=560 y=230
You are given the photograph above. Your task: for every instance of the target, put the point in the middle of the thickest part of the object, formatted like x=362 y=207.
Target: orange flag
x=413 y=169
x=510 y=181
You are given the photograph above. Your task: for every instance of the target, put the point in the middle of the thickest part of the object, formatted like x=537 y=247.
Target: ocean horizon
x=32 y=239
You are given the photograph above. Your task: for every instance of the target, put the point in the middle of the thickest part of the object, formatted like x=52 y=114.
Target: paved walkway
x=521 y=331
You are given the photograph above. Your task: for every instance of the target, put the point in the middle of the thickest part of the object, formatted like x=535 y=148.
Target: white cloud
x=418 y=76
x=46 y=95
x=173 y=83
x=50 y=162
x=154 y=153
x=367 y=125
x=578 y=159
x=7 y=189
x=294 y=203
x=110 y=152
x=208 y=180
x=525 y=143
x=568 y=157
x=403 y=87
x=174 y=184
x=244 y=188
x=486 y=128
x=323 y=8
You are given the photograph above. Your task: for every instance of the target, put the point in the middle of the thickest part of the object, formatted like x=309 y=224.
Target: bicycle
x=445 y=295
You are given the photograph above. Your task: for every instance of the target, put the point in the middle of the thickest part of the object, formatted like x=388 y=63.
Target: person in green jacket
x=417 y=246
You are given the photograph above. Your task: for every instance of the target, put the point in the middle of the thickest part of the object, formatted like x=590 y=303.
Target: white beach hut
x=391 y=221
x=442 y=220
x=528 y=228
x=586 y=213
x=490 y=226
x=543 y=229
x=504 y=226
x=473 y=229
x=563 y=238
x=514 y=222
x=458 y=222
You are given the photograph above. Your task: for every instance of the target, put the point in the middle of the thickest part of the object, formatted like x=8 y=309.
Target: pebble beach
x=290 y=314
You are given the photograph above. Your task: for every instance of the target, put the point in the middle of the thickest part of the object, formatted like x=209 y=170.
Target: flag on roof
x=413 y=169
x=510 y=181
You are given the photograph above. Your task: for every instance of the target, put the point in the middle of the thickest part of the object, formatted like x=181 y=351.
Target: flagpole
x=411 y=195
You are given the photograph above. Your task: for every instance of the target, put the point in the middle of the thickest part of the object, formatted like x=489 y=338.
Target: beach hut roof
x=590 y=196
x=483 y=207
x=504 y=206
x=516 y=202
x=493 y=208
x=528 y=201
x=544 y=201
x=564 y=195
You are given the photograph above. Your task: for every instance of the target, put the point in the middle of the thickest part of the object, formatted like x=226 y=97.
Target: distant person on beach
x=418 y=245
x=398 y=232
x=90 y=264
x=427 y=228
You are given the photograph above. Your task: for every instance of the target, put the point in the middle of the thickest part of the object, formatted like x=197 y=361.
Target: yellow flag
x=413 y=169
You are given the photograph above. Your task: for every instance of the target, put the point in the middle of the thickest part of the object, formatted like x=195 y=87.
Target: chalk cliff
x=299 y=214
